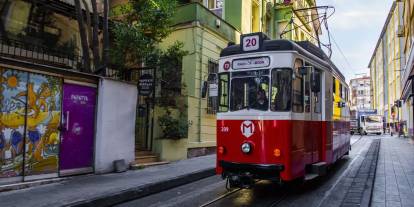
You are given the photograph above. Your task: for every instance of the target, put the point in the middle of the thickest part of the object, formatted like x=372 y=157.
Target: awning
x=405 y=93
x=408 y=75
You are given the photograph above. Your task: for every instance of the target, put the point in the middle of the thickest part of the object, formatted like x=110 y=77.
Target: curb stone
x=29 y=184
x=142 y=191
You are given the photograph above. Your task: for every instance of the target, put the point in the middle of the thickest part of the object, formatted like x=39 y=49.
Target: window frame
x=231 y=100
x=302 y=86
x=212 y=102
x=227 y=98
x=271 y=90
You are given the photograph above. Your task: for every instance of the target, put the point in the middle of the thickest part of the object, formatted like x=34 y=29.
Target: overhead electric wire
x=321 y=17
x=340 y=51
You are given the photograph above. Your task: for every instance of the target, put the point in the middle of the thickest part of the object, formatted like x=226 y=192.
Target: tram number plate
x=251 y=43
x=225 y=129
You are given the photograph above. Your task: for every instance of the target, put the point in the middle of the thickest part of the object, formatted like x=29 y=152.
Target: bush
x=173 y=128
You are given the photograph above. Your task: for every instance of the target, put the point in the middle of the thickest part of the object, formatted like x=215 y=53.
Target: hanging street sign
x=145 y=85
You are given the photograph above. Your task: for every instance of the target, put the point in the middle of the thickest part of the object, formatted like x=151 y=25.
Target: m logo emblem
x=247 y=128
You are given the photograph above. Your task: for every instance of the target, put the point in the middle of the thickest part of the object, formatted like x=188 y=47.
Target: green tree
x=144 y=24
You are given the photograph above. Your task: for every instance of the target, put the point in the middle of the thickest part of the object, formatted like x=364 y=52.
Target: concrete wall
x=115 y=133
x=203 y=45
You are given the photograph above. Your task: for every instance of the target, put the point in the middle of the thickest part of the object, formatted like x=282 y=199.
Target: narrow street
x=211 y=191
x=208 y=103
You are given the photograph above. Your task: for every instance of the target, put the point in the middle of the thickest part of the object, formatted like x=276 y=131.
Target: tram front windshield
x=253 y=90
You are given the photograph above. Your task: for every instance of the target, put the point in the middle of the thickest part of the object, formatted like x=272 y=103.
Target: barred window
x=212 y=101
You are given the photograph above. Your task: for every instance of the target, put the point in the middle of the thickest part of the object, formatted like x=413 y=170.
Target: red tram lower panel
x=282 y=147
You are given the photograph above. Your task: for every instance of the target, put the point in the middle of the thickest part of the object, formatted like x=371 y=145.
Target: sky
x=355 y=26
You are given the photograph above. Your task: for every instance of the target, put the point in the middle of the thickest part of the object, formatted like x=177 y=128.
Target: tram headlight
x=246 y=148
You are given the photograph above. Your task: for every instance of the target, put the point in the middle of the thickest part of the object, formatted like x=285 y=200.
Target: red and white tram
x=283 y=111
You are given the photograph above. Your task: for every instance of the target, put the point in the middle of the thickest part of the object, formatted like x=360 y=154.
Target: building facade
x=295 y=21
x=360 y=93
x=48 y=105
x=386 y=65
x=213 y=25
x=206 y=27
x=408 y=71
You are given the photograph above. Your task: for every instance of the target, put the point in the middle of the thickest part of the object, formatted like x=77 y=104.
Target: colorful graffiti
x=29 y=120
x=42 y=122
x=12 y=121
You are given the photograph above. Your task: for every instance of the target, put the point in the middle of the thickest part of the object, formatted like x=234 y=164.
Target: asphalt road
x=212 y=192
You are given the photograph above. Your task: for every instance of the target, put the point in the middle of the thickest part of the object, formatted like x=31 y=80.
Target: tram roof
x=304 y=48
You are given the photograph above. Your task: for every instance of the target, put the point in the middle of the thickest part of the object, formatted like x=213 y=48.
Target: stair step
x=311 y=176
x=143 y=153
x=146 y=159
x=144 y=165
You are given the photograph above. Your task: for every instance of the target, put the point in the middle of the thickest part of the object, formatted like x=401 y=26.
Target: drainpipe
x=201 y=79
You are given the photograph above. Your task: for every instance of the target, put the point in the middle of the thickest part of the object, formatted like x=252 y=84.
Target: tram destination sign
x=145 y=85
x=252 y=42
x=256 y=62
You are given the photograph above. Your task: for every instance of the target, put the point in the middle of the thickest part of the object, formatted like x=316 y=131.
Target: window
x=250 y=92
x=297 y=85
x=215 y=6
x=318 y=96
x=281 y=90
x=334 y=85
x=307 y=93
x=212 y=101
x=340 y=90
x=223 y=92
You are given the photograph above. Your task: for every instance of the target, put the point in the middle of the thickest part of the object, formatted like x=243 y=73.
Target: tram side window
x=223 y=92
x=281 y=90
x=297 y=91
x=307 y=94
x=318 y=95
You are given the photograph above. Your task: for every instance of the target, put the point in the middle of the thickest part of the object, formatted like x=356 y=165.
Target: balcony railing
x=39 y=54
x=197 y=12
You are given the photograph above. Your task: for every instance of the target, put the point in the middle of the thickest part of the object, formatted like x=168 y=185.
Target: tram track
x=232 y=192
x=209 y=203
x=278 y=201
x=274 y=203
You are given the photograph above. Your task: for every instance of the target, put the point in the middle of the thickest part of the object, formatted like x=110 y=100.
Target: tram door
x=316 y=103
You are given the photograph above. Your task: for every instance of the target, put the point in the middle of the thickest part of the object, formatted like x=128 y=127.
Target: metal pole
x=412 y=99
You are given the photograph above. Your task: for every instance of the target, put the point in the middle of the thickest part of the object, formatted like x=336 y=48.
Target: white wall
x=115 y=133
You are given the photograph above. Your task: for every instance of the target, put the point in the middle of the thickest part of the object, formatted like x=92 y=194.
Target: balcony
x=195 y=12
x=25 y=51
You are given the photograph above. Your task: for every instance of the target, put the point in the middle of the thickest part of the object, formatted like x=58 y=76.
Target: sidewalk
x=354 y=185
x=394 y=180
x=109 y=189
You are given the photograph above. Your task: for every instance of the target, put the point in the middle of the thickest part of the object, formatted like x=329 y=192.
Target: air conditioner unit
x=400 y=31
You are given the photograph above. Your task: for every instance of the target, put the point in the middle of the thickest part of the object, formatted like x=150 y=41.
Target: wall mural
x=29 y=119
x=12 y=121
x=42 y=122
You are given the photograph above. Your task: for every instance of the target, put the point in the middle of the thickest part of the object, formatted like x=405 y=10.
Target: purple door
x=78 y=118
